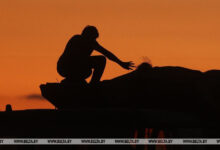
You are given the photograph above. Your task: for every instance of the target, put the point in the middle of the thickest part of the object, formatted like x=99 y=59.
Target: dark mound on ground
x=170 y=88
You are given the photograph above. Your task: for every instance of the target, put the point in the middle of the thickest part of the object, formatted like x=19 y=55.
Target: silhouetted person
x=76 y=64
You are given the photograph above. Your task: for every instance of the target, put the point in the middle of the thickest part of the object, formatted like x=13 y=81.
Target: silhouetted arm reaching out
x=126 y=65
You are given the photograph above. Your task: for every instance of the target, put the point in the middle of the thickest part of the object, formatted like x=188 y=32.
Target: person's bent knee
x=98 y=61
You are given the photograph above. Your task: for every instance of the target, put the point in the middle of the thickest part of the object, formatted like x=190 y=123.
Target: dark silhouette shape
x=8 y=108
x=76 y=64
x=151 y=87
x=148 y=91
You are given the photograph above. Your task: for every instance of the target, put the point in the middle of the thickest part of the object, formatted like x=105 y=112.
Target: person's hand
x=127 y=65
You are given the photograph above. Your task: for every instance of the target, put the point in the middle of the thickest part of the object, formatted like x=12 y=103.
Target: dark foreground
x=105 y=123
x=180 y=102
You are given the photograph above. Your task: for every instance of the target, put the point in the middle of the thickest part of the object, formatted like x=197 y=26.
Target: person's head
x=90 y=32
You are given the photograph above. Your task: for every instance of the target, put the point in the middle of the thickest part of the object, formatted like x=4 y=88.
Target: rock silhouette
x=8 y=108
x=164 y=88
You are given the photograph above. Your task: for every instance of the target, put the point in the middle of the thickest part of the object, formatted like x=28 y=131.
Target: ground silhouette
x=163 y=98
x=180 y=101
x=164 y=88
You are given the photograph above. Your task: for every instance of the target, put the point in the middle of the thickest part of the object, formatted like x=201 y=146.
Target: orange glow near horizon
x=33 y=35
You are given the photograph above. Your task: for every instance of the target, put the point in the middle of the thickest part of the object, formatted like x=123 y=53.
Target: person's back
x=76 y=54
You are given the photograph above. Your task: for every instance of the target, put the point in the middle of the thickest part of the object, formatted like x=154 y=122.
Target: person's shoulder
x=77 y=36
x=75 y=39
x=95 y=44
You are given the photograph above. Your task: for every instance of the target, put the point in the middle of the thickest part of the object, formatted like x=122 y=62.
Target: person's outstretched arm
x=126 y=65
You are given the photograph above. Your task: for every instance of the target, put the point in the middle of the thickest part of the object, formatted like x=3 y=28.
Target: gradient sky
x=33 y=34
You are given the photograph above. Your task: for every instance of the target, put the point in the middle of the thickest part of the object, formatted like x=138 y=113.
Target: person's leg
x=77 y=74
x=98 y=64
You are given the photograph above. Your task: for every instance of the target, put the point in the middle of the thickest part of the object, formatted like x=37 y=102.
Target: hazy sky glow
x=33 y=34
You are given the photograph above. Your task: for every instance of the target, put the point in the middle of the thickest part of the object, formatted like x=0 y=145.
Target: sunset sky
x=33 y=34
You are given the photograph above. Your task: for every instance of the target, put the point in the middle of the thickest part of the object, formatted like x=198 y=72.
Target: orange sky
x=33 y=34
